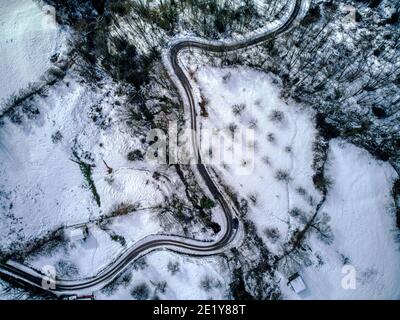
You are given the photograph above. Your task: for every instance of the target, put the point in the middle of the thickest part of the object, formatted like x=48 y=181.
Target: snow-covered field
x=42 y=188
x=28 y=38
x=81 y=259
x=276 y=159
x=359 y=202
x=42 y=185
x=363 y=222
x=185 y=278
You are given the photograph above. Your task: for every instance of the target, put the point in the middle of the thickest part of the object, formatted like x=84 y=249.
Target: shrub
x=237 y=109
x=226 y=77
x=233 y=128
x=203 y=104
x=140 y=292
x=135 y=155
x=66 y=268
x=156 y=175
x=120 y=239
x=298 y=214
x=266 y=160
x=253 y=124
x=253 y=198
x=207 y=203
x=271 y=137
x=56 y=137
x=272 y=234
x=126 y=278
x=161 y=286
x=123 y=209
x=301 y=191
x=282 y=175
x=295 y=212
x=276 y=116
x=206 y=283
x=321 y=182
x=173 y=267
x=140 y=264
x=321 y=225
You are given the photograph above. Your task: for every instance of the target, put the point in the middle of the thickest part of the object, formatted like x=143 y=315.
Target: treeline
x=342 y=60
x=347 y=64
x=206 y=17
x=96 y=44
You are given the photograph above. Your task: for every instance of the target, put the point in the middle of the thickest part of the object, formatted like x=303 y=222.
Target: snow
x=185 y=284
x=363 y=223
x=27 y=41
x=291 y=150
x=359 y=202
x=29 y=164
x=41 y=189
x=98 y=250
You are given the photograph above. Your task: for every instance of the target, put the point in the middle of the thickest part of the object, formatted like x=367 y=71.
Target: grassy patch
x=86 y=170
x=118 y=238
x=206 y=203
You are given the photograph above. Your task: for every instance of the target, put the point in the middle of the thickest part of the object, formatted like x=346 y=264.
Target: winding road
x=174 y=243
